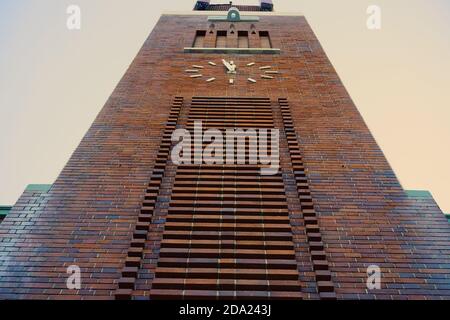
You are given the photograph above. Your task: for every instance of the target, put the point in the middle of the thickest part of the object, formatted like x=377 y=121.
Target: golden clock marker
x=231 y=68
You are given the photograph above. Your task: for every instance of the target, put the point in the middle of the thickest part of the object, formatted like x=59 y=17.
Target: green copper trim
x=225 y=18
x=234 y=15
x=4 y=210
x=39 y=187
x=419 y=194
x=233 y=50
x=422 y=194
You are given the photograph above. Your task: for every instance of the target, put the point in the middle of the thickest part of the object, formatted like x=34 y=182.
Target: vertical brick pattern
x=146 y=272
x=153 y=196
x=325 y=285
x=302 y=249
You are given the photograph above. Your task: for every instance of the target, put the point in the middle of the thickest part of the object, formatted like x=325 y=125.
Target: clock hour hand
x=230 y=66
x=227 y=65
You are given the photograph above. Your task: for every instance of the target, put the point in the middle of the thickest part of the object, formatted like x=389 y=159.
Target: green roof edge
x=419 y=194
x=4 y=210
x=39 y=187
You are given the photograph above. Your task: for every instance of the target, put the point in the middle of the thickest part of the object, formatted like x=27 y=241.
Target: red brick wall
x=89 y=215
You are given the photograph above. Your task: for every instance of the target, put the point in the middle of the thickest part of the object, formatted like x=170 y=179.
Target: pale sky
x=53 y=81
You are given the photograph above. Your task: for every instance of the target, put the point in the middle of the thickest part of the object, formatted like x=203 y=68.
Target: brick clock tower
x=332 y=223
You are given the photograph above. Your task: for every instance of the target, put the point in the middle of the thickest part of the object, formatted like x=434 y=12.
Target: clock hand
x=227 y=65
x=230 y=66
x=233 y=67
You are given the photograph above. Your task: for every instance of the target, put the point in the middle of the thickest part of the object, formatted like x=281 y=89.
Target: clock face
x=204 y=72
